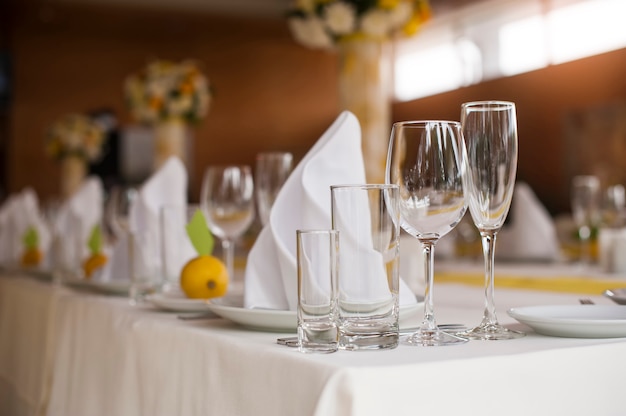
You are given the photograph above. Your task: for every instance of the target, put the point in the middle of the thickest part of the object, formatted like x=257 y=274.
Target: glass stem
x=229 y=257
x=489 y=246
x=428 y=248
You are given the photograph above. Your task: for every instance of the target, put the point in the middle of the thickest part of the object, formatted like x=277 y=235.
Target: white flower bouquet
x=76 y=135
x=325 y=23
x=168 y=91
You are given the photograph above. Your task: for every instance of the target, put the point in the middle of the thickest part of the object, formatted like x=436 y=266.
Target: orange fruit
x=94 y=262
x=32 y=257
x=204 y=277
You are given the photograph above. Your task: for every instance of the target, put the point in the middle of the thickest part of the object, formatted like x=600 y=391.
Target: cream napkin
x=18 y=214
x=167 y=186
x=532 y=234
x=304 y=202
x=77 y=217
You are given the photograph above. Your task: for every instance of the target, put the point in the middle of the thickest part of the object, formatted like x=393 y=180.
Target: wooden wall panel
x=270 y=92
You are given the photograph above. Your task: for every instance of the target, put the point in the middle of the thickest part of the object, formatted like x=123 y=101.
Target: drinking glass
x=272 y=170
x=585 y=199
x=426 y=161
x=117 y=209
x=227 y=199
x=490 y=132
x=367 y=217
x=317 y=260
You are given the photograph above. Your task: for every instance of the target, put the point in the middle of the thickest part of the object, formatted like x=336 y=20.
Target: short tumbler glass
x=317 y=255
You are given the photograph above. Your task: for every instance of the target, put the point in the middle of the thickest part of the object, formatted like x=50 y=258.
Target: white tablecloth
x=64 y=352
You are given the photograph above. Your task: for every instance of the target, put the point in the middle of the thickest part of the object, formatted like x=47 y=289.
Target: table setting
x=321 y=305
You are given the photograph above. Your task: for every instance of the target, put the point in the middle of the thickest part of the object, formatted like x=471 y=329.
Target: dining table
x=69 y=351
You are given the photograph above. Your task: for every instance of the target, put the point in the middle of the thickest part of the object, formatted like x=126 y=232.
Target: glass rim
x=328 y=231
x=365 y=186
x=421 y=123
x=226 y=166
x=272 y=154
x=489 y=104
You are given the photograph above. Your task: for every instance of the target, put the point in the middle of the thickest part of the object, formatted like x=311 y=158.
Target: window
x=497 y=38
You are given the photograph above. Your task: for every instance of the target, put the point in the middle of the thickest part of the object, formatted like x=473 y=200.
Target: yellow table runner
x=568 y=284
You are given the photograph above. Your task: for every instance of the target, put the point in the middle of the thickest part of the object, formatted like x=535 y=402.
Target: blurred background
x=562 y=61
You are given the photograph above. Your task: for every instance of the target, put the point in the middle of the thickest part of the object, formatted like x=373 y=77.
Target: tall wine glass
x=426 y=161
x=272 y=170
x=227 y=199
x=490 y=131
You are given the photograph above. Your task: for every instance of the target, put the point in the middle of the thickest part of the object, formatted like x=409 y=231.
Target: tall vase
x=170 y=139
x=365 y=82
x=73 y=172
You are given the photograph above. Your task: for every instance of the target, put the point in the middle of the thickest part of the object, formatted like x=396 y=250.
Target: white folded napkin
x=167 y=186
x=304 y=203
x=532 y=234
x=77 y=217
x=17 y=215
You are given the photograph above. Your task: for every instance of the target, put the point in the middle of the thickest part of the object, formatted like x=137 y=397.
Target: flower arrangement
x=76 y=135
x=325 y=23
x=165 y=91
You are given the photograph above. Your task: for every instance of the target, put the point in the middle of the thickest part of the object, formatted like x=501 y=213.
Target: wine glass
x=585 y=199
x=272 y=170
x=490 y=132
x=426 y=160
x=227 y=199
x=117 y=210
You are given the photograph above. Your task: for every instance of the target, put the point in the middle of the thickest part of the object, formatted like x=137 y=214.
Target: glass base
x=491 y=332
x=432 y=338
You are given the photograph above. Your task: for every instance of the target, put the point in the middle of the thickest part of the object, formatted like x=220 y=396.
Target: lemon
x=94 y=262
x=32 y=257
x=204 y=277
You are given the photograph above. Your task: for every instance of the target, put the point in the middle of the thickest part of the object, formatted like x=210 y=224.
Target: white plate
x=616 y=295
x=177 y=302
x=112 y=287
x=574 y=321
x=275 y=320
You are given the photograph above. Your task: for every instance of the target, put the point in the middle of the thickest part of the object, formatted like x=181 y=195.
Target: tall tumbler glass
x=317 y=255
x=271 y=171
x=368 y=218
x=586 y=212
x=490 y=132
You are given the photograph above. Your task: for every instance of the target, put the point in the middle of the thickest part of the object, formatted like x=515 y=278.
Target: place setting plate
x=273 y=320
x=110 y=287
x=574 y=321
x=176 y=301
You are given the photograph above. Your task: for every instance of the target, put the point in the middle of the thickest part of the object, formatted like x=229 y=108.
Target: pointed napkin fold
x=78 y=216
x=18 y=214
x=167 y=186
x=532 y=234
x=304 y=203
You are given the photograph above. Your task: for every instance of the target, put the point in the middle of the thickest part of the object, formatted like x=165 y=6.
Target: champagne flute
x=227 y=199
x=490 y=132
x=426 y=160
x=272 y=170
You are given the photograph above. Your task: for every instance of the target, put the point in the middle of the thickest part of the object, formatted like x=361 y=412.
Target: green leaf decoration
x=200 y=234
x=31 y=238
x=95 y=239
